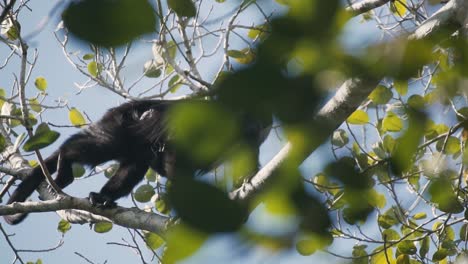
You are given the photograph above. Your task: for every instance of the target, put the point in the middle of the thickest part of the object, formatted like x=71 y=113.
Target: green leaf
x=403 y=259
x=109 y=22
x=310 y=243
x=392 y=123
x=464 y=232
x=235 y=54
x=153 y=241
x=183 y=8
x=426 y=242
x=41 y=84
x=76 y=118
x=416 y=101
x=360 y=254
x=419 y=216
x=93 y=68
x=162 y=205
x=407 y=247
x=388 y=219
x=452 y=145
x=321 y=182
x=244 y=56
x=151 y=69
x=63 y=226
x=398 y=7
x=389 y=144
x=443 y=195
x=88 y=56
x=41 y=139
x=172 y=49
x=390 y=235
x=376 y=199
x=381 y=95
x=78 y=170
x=151 y=175
x=439 y=255
x=182 y=242
x=258 y=32
x=382 y=257
x=144 y=193
x=35 y=105
x=401 y=87
x=2 y=143
x=174 y=83
x=340 y=138
x=102 y=227
x=359 y=117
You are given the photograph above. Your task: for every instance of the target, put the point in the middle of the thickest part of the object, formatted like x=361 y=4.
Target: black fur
x=134 y=134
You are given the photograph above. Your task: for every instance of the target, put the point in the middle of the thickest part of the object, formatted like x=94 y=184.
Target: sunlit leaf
x=93 y=68
x=392 y=123
x=76 y=118
x=41 y=84
x=359 y=117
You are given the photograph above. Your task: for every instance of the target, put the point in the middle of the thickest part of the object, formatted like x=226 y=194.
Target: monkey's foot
x=100 y=200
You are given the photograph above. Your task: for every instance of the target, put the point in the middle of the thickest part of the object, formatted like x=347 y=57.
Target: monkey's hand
x=100 y=200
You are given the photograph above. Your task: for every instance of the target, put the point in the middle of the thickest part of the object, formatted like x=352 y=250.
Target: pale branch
x=126 y=217
x=365 y=6
x=446 y=17
x=345 y=101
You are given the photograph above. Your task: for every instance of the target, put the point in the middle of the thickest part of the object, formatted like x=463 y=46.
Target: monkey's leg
x=129 y=174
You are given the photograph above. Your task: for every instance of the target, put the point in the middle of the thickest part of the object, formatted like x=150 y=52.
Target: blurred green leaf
x=183 y=8
x=109 y=22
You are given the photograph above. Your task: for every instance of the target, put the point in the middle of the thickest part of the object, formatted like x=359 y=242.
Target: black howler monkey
x=136 y=135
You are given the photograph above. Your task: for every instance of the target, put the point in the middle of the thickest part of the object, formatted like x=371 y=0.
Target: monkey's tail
x=27 y=187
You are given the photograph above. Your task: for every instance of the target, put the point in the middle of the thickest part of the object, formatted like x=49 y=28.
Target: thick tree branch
x=126 y=217
x=348 y=98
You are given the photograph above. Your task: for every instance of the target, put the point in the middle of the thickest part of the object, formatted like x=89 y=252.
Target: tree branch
x=74 y=209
